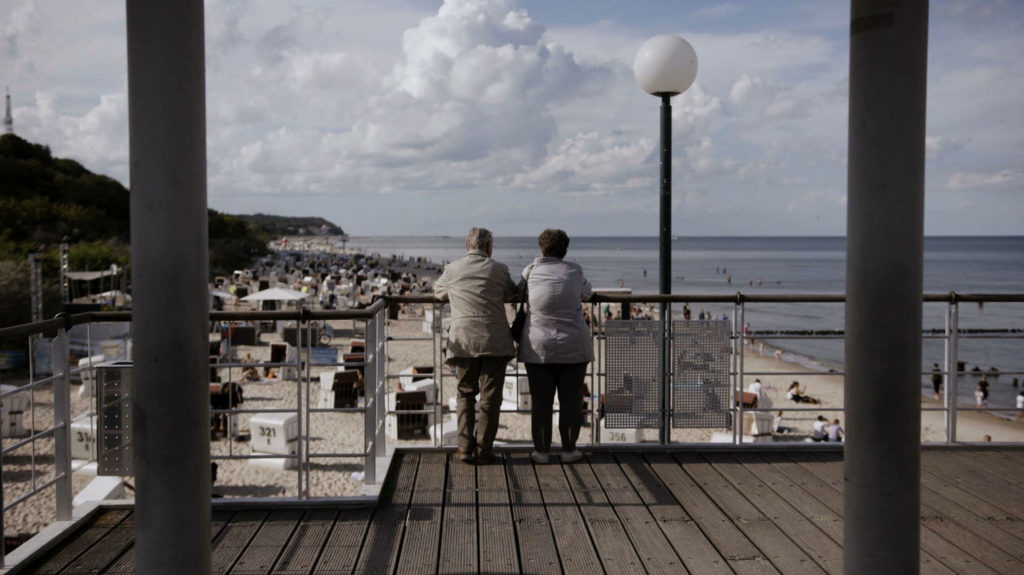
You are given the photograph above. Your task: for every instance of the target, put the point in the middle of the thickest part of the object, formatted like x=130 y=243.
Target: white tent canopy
x=276 y=294
x=221 y=294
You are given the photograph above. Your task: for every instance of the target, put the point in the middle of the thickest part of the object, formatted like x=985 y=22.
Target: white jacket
x=555 y=330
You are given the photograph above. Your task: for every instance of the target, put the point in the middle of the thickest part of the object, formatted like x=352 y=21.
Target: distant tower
x=8 y=118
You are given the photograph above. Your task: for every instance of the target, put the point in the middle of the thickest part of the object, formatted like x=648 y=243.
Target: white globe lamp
x=665 y=65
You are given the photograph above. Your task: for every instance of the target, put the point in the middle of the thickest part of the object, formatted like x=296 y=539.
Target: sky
x=427 y=117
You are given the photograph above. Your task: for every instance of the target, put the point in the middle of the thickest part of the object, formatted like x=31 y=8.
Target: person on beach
x=797 y=394
x=936 y=380
x=479 y=341
x=820 y=429
x=835 y=431
x=556 y=344
x=1020 y=407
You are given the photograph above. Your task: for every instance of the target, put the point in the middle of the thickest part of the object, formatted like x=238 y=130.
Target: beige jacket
x=477 y=287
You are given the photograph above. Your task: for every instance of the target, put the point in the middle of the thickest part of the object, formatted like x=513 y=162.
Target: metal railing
x=380 y=375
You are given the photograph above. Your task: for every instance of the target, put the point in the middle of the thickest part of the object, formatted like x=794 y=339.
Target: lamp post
x=665 y=66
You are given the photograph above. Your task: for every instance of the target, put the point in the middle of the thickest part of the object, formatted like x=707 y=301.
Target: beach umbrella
x=276 y=294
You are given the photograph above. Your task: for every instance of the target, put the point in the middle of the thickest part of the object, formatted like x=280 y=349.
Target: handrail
x=740 y=297
x=303 y=314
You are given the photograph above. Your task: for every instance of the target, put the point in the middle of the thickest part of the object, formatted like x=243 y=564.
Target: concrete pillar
x=885 y=231
x=166 y=104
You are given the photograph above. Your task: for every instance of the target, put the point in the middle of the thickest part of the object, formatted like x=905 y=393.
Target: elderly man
x=479 y=341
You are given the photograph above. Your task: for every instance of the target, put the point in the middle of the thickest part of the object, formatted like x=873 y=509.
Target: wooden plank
x=69 y=550
x=742 y=555
x=383 y=541
x=607 y=531
x=234 y=538
x=125 y=564
x=423 y=528
x=977 y=545
x=533 y=530
x=937 y=548
x=498 y=552
x=691 y=545
x=821 y=548
x=974 y=479
x=803 y=500
x=300 y=554
x=787 y=556
x=961 y=512
x=992 y=514
x=343 y=545
x=266 y=546
x=575 y=547
x=459 y=543
x=106 y=550
x=654 y=549
x=1001 y=463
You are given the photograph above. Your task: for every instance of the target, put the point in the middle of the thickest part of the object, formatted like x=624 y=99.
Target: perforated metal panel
x=632 y=366
x=700 y=380
x=114 y=405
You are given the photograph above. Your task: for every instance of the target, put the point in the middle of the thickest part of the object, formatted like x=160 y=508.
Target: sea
x=790 y=265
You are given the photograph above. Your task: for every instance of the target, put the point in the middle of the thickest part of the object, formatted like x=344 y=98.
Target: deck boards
x=575 y=547
x=683 y=533
x=459 y=535
x=423 y=530
x=498 y=553
x=685 y=511
x=533 y=529
x=654 y=549
x=787 y=556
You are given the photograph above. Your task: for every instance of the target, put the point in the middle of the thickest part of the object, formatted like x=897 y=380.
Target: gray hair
x=479 y=239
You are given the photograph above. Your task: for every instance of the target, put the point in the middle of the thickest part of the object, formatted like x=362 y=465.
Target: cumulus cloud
x=938 y=146
x=587 y=162
x=97 y=137
x=967 y=180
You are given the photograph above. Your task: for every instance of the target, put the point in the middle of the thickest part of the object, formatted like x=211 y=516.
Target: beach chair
x=226 y=395
x=749 y=399
x=411 y=425
x=343 y=391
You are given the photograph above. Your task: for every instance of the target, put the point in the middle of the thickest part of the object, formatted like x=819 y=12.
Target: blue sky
x=421 y=117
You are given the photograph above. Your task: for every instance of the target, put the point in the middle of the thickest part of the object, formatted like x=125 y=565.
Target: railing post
x=664 y=433
x=371 y=401
x=380 y=446
x=952 y=367
x=62 y=425
x=299 y=376
x=738 y=343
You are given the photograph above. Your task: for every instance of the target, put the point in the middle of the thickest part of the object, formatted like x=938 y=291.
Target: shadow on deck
x=737 y=511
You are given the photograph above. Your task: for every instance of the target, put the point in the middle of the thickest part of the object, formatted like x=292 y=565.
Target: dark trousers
x=567 y=380
x=486 y=376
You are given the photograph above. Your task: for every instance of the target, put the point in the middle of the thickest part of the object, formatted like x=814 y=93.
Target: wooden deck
x=656 y=512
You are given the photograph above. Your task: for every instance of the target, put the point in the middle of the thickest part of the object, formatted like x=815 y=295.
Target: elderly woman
x=556 y=344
